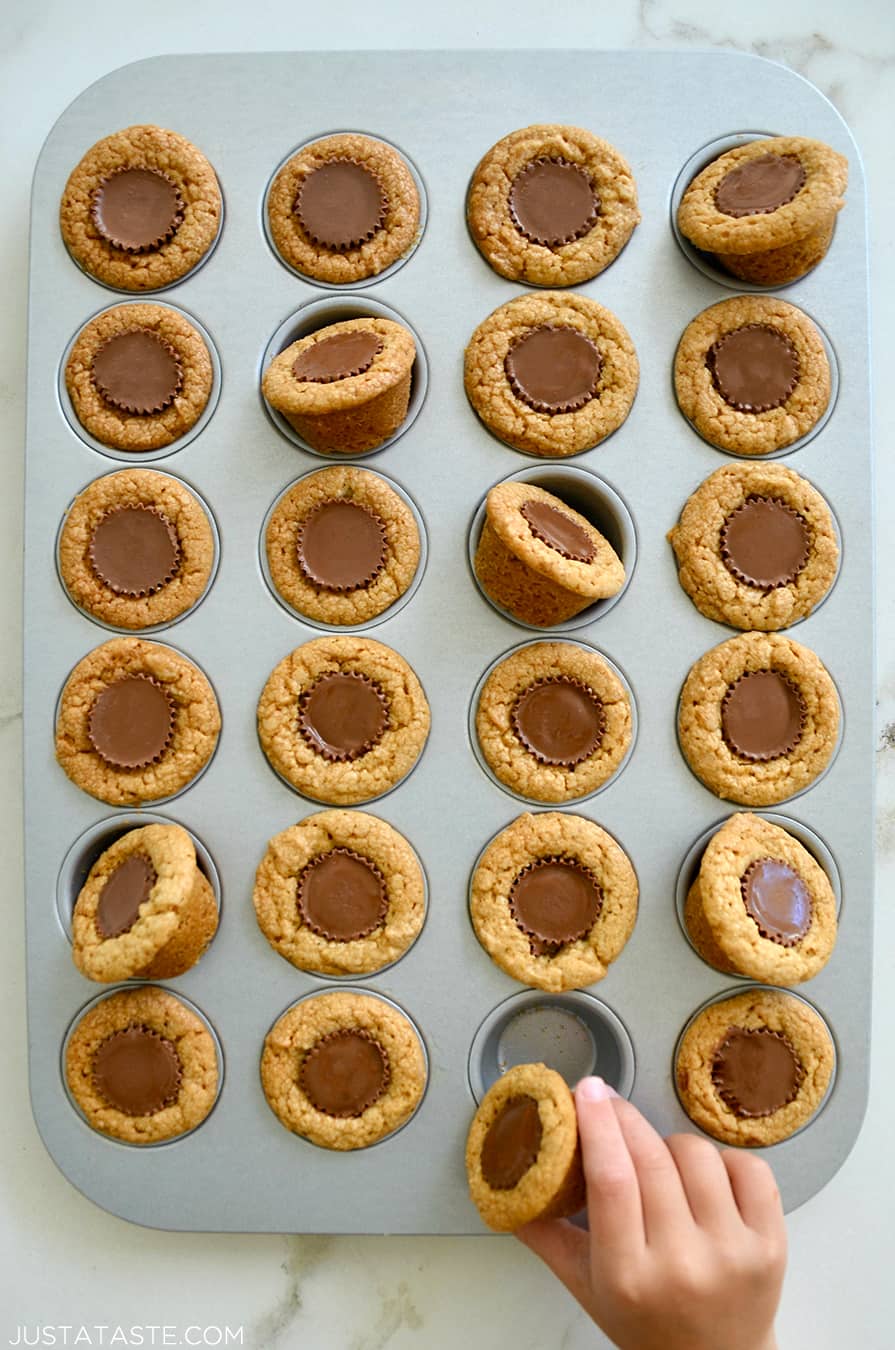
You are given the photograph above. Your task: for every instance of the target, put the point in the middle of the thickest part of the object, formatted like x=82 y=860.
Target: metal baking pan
x=241 y=1170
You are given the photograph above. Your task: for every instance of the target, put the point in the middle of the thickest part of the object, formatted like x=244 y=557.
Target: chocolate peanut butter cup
x=137 y=371
x=558 y=531
x=342 y=896
x=345 y=1072
x=559 y=720
x=777 y=899
x=337 y=358
x=137 y=1071
x=137 y=209
x=128 y=887
x=555 y=901
x=341 y=546
x=134 y=550
x=131 y=722
x=765 y=543
x=341 y=204
x=762 y=715
x=512 y=1143
x=553 y=369
x=754 y=368
x=343 y=716
x=760 y=185
x=756 y=1071
x=553 y=202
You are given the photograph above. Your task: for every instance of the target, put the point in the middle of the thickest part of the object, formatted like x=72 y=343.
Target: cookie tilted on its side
x=752 y=374
x=553 y=900
x=761 y=906
x=766 y=210
x=523 y=1158
x=541 y=560
x=758 y=719
x=551 y=205
x=756 y=546
x=146 y=910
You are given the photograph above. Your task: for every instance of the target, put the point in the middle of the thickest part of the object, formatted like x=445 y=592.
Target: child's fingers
x=665 y=1209
x=706 y=1182
x=614 y=1211
x=755 y=1191
x=562 y=1247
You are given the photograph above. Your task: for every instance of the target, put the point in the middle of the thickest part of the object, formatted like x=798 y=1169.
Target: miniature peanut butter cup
x=337 y=358
x=765 y=543
x=342 y=896
x=559 y=720
x=343 y=716
x=344 y=1073
x=762 y=716
x=137 y=210
x=134 y=550
x=512 y=1143
x=128 y=887
x=777 y=899
x=553 y=369
x=131 y=722
x=553 y=202
x=341 y=546
x=555 y=901
x=756 y=1071
x=760 y=186
x=557 y=531
x=754 y=368
x=138 y=372
x=137 y=1071
x=341 y=205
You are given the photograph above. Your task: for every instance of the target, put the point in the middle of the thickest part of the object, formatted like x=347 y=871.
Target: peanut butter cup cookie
x=344 y=1070
x=756 y=546
x=145 y=910
x=752 y=374
x=552 y=374
x=539 y=559
x=753 y=1069
x=136 y=549
x=553 y=721
x=523 y=1159
x=340 y=893
x=344 y=208
x=137 y=722
x=342 y=545
x=139 y=377
x=552 y=205
x=142 y=1066
x=760 y=904
x=553 y=900
x=343 y=719
x=766 y=210
x=141 y=209
x=345 y=388
x=758 y=718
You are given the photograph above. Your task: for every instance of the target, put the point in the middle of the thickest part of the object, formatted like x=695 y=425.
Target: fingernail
x=594 y=1090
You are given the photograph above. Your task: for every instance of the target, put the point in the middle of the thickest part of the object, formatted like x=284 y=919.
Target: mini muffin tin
x=241 y=1170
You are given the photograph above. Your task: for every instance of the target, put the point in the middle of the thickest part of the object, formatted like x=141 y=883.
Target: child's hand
x=687 y=1244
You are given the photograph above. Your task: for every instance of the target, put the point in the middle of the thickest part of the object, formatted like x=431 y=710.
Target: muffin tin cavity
x=573 y=1033
x=483 y=763
x=94 y=841
x=392 y=609
x=319 y=314
x=595 y=499
x=386 y=271
x=140 y=458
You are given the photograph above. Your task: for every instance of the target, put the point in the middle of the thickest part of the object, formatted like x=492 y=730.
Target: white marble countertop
x=64 y=1262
